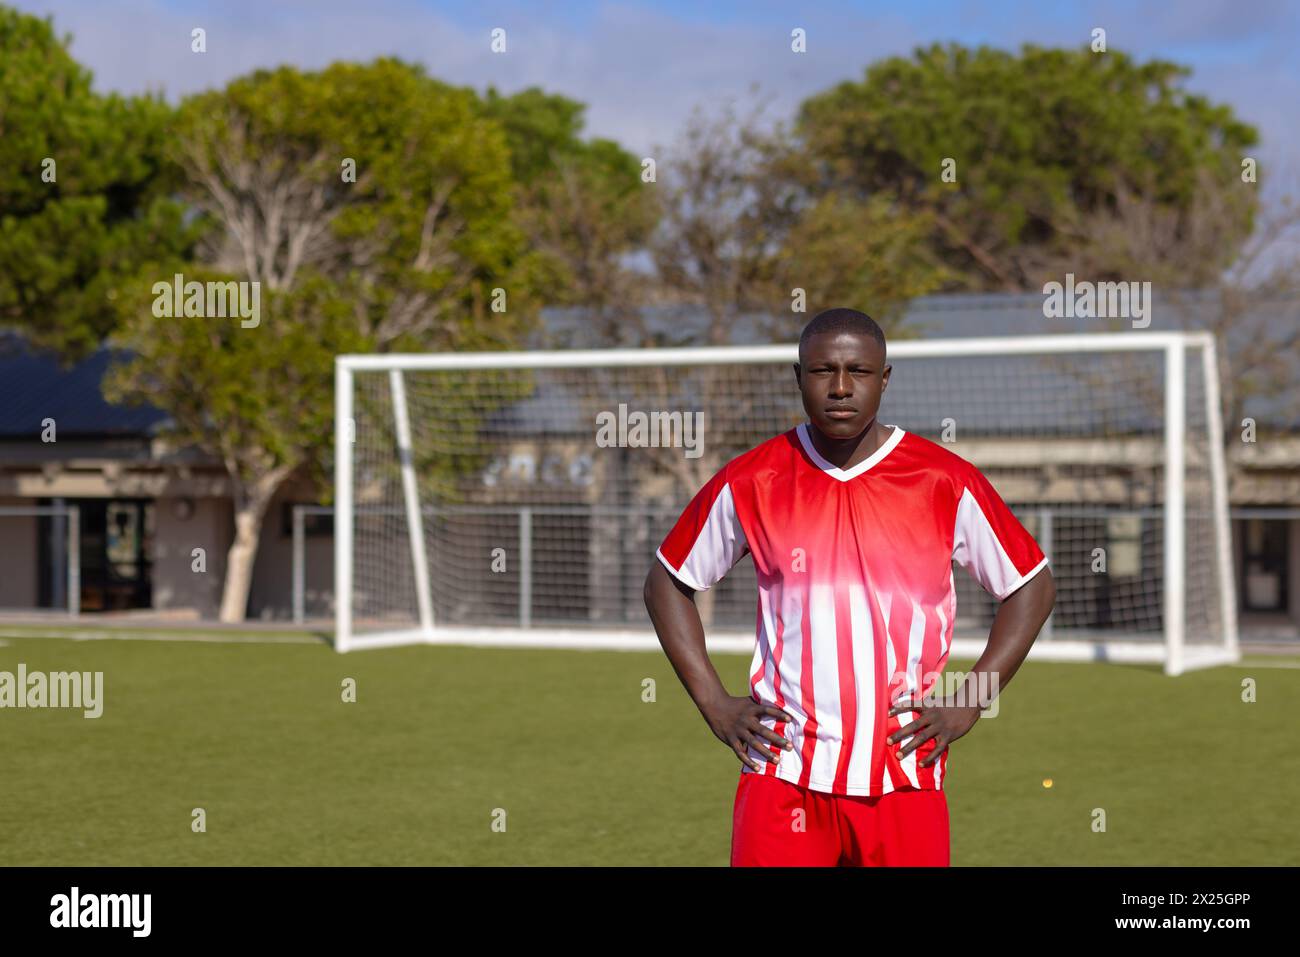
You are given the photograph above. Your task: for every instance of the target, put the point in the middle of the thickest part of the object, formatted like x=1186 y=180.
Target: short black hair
x=841 y=320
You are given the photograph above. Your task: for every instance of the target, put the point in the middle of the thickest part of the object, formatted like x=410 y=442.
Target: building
x=144 y=507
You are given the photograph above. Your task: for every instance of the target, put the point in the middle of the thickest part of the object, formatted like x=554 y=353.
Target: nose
x=842 y=384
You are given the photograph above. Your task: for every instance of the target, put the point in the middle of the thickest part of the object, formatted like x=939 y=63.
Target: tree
x=1251 y=305
x=1043 y=143
x=405 y=257
x=259 y=399
x=584 y=210
x=411 y=243
x=746 y=224
x=85 y=195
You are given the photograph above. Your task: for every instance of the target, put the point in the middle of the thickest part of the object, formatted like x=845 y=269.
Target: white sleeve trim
x=977 y=548
x=1015 y=586
x=719 y=544
x=682 y=576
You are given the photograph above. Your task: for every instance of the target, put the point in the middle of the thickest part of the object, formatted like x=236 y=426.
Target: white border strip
x=411 y=496
x=343 y=515
x=704 y=355
x=1175 y=537
x=1219 y=486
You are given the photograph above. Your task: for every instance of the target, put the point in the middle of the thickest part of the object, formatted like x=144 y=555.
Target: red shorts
x=905 y=828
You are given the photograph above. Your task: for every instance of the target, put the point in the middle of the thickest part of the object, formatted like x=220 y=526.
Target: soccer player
x=853 y=526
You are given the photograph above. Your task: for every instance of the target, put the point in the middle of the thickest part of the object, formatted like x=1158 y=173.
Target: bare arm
x=734 y=720
x=1015 y=627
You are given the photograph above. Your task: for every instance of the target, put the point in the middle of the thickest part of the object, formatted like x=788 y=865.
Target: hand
x=942 y=720
x=736 y=723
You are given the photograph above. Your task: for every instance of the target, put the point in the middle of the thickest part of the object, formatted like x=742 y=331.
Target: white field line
x=1265 y=663
x=108 y=635
x=293 y=639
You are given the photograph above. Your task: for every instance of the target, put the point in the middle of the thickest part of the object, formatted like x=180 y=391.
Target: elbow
x=1049 y=592
x=662 y=589
x=648 y=591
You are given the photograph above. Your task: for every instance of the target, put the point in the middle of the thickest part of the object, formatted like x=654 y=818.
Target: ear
x=797 y=379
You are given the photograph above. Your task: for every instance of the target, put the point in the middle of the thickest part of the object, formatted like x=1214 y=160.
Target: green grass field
x=589 y=774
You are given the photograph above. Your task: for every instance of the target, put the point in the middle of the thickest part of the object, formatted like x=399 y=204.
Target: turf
x=442 y=741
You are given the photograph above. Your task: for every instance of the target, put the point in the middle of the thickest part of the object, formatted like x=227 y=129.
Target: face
x=842 y=377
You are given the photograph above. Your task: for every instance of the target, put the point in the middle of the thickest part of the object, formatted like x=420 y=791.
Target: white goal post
x=517 y=498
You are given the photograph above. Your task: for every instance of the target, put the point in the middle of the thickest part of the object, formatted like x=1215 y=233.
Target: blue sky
x=641 y=67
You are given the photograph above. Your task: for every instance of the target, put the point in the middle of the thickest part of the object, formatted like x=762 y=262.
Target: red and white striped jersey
x=856 y=599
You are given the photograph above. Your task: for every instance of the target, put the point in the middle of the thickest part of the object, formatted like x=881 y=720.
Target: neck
x=846 y=453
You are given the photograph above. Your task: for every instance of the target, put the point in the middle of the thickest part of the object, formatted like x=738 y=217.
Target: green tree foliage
x=417 y=243
x=256 y=398
x=71 y=229
x=748 y=223
x=405 y=257
x=584 y=209
x=1044 y=143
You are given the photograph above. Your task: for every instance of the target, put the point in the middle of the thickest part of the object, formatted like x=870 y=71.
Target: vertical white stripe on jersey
x=943 y=619
x=790 y=767
x=765 y=687
x=826 y=683
x=951 y=600
x=885 y=601
x=914 y=640
x=764 y=666
x=864 y=672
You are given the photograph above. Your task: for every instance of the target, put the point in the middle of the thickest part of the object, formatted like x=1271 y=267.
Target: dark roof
x=34 y=387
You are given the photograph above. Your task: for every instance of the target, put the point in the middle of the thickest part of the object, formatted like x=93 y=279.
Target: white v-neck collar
x=835 y=471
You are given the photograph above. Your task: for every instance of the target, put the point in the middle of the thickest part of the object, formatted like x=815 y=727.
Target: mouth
x=841 y=413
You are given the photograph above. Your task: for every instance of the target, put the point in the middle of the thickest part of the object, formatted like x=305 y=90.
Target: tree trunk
x=251 y=502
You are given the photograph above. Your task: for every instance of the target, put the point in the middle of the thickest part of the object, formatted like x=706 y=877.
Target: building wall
x=18 y=575
x=1293 y=563
x=176 y=585
x=271 y=597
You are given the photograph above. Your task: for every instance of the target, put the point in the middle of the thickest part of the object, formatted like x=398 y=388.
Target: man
x=853 y=527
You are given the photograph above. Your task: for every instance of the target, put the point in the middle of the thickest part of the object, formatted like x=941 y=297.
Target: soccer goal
x=518 y=498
